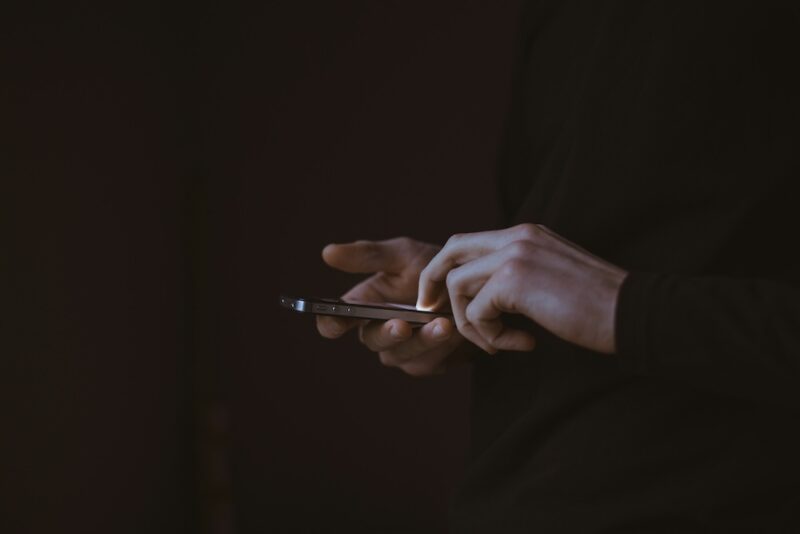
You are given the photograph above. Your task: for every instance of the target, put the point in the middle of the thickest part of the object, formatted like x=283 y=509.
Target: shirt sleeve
x=730 y=336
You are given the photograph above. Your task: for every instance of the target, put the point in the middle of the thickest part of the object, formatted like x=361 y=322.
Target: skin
x=526 y=269
x=394 y=266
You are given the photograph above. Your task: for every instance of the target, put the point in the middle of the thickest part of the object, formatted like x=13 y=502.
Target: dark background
x=167 y=170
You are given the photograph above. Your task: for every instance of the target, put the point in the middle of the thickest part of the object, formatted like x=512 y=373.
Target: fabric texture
x=660 y=136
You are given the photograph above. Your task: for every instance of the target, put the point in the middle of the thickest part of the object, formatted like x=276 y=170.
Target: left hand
x=529 y=270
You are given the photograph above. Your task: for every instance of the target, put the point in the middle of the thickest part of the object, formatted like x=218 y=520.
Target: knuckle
x=455 y=238
x=459 y=322
x=453 y=280
x=528 y=231
x=512 y=269
x=521 y=248
x=471 y=314
x=491 y=338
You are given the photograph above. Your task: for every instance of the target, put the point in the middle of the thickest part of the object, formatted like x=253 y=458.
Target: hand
x=396 y=265
x=529 y=270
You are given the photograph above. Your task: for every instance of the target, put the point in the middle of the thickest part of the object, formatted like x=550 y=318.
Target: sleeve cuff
x=632 y=321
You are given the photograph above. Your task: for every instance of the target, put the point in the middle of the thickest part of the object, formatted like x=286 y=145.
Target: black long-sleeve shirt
x=663 y=137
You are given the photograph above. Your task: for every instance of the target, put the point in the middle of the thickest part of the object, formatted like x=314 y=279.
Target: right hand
x=395 y=266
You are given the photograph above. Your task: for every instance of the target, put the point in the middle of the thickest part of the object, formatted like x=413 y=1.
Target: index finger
x=459 y=249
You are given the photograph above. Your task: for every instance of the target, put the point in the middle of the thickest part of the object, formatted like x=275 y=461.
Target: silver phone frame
x=354 y=310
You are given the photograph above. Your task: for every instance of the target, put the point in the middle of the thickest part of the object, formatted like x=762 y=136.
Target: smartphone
x=381 y=311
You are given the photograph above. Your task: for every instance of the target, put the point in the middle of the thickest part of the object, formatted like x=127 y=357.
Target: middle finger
x=459 y=250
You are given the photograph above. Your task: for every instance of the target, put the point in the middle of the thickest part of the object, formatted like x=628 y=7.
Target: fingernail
x=421 y=304
x=423 y=307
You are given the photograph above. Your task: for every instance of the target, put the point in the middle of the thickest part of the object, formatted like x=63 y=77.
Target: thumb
x=367 y=256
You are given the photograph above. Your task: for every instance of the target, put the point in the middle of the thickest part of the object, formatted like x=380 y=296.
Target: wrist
x=607 y=337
